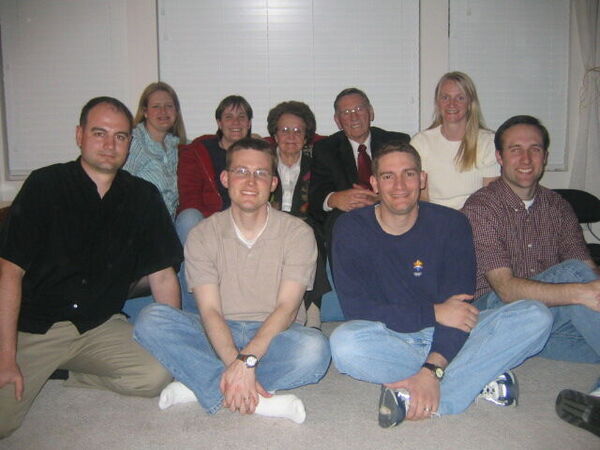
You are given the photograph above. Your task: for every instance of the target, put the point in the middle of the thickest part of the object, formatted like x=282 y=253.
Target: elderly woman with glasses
x=457 y=150
x=292 y=127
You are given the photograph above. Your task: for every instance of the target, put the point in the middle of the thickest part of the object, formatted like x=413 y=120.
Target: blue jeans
x=296 y=356
x=575 y=334
x=502 y=339
x=185 y=221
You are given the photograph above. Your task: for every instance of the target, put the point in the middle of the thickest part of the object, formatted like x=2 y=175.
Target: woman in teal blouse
x=153 y=155
x=158 y=130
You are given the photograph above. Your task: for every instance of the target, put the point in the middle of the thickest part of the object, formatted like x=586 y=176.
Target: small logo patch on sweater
x=418 y=268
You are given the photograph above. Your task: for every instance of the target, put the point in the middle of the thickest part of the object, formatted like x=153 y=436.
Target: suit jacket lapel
x=375 y=141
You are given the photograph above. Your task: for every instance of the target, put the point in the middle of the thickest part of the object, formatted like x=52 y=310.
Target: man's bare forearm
x=511 y=289
x=217 y=331
x=219 y=335
x=10 y=303
x=278 y=321
x=284 y=314
x=437 y=359
x=549 y=294
x=165 y=287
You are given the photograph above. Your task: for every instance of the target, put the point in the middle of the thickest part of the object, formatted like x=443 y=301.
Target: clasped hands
x=240 y=388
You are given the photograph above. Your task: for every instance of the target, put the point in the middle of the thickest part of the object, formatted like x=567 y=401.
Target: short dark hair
x=233 y=101
x=395 y=147
x=521 y=120
x=298 y=109
x=250 y=143
x=117 y=104
x=350 y=91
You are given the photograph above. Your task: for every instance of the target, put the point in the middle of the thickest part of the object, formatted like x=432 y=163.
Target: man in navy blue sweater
x=405 y=276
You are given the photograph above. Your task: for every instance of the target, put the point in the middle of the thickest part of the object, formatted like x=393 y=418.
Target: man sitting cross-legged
x=529 y=245
x=248 y=268
x=405 y=274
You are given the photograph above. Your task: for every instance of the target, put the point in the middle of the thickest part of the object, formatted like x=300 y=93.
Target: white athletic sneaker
x=503 y=391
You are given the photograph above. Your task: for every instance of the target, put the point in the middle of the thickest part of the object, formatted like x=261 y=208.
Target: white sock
x=283 y=406
x=174 y=394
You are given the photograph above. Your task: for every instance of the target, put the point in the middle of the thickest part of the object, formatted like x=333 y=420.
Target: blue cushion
x=133 y=306
x=330 y=304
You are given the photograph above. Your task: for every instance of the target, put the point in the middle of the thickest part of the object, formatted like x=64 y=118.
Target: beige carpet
x=341 y=414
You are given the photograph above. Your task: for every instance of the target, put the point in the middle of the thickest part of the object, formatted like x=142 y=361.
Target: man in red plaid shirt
x=529 y=245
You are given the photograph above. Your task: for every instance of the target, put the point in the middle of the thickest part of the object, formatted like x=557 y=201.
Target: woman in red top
x=201 y=193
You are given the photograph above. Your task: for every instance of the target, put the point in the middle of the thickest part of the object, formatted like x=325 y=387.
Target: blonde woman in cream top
x=457 y=151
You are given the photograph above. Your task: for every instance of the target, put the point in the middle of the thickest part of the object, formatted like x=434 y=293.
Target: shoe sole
x=579 y=409
x=391 y=411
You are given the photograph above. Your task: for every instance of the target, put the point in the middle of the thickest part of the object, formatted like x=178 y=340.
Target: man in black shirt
x=78 y=235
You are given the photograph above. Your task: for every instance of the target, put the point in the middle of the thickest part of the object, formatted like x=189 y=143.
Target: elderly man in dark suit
x=341 y=164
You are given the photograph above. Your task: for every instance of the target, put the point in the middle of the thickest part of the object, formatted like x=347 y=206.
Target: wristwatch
x=437 y=371
x=250 y=360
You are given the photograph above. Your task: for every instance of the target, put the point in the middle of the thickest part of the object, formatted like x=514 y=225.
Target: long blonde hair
x=466 y=156
x=178 y=128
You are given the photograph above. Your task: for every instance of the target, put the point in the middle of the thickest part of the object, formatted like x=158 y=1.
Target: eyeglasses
x=357 y=109
x=294 y=131
x=244 y=172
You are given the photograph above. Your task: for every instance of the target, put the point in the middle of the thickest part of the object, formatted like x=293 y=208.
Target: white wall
x=143 y=57
x=269 y=51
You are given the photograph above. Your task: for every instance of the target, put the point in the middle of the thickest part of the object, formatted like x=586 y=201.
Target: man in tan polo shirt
x=248 y=267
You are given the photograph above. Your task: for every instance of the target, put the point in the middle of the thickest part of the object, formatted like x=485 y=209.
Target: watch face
x=439 y=372
x=251 y=361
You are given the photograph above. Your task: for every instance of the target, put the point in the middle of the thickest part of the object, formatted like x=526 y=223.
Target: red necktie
x=364 y=167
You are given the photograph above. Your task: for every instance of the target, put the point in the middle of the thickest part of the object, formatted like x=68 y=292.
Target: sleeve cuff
x=326 y=207
x=447 y=341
